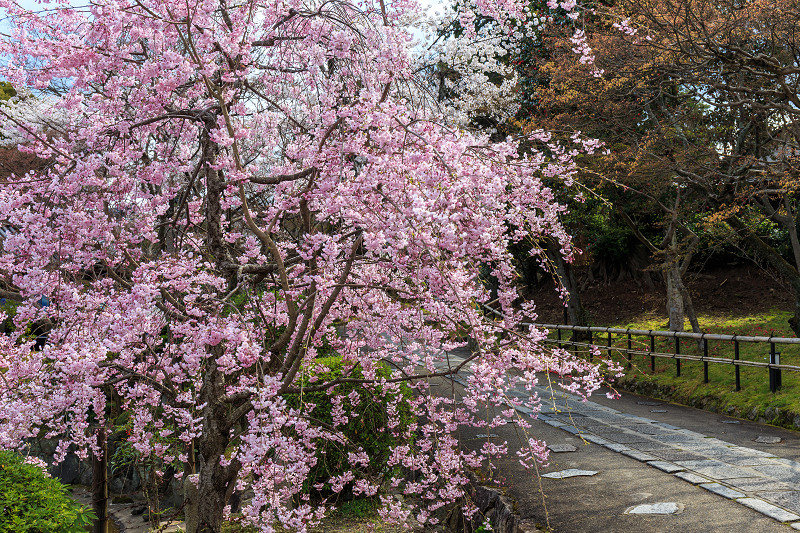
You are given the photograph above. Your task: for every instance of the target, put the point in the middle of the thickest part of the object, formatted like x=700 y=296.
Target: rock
x=525 y=526
x=655 y=508
x=86 y=476
x=69 y=471
x=485 y=498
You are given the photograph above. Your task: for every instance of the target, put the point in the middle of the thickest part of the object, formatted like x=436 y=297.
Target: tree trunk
x=675 y=308
x=575 y=312
x=215 y=481
x=100 y=483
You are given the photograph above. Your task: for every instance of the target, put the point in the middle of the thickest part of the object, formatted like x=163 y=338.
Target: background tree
x=740 y=61
x=584 y=76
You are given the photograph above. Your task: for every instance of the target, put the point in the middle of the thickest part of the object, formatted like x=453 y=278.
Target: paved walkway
x=642 y=465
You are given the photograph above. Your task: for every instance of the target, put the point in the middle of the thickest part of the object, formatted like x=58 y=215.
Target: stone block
x=691 y=477
x=669 y=468
x=768 y=509
x=722 y=490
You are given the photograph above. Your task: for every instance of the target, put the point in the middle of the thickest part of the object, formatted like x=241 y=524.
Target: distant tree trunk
x=575 y=312
x=675 y=310
x=100 y=483
x=679 y=302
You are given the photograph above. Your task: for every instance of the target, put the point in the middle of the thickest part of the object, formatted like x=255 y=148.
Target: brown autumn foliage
x=698 y=105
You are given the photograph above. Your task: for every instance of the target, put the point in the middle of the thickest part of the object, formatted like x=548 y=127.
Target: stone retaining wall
x=494 y=508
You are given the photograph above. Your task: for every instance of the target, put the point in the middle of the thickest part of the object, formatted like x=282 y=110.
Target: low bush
x=367 y=424
x=33 y=502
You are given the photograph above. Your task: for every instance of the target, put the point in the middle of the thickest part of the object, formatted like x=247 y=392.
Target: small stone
x=652 y=404
x=655 y=508
x=562 y=448
x=763 y=439
x=658 y=411
x=731 y=422
x=570 y=472
x=486 y=436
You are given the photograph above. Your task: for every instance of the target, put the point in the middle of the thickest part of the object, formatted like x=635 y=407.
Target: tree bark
x=215 y=480
x=675 y=310
x=100 y=483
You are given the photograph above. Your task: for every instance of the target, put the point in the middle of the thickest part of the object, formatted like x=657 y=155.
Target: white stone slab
x=594 y=438
x=795 y=526
x=613 y=446
x=691 y=477
x=639 y=456
x=669 y=468
x=562 y=448
x=722 y=490
x=486 y=436
x=692 y=433
x=768 y=509
x=764 y=439
x=570 y=472
x=655 y=508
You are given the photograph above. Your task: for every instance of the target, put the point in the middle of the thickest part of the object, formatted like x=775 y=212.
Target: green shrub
x=32 y=502
x=368 y=420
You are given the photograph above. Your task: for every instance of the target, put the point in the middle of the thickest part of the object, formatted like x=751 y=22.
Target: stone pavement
x=641 y=465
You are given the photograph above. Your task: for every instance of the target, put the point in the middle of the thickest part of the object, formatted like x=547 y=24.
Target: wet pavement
x=638 y=464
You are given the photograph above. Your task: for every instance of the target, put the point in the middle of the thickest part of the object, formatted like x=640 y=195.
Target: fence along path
x=773 y=365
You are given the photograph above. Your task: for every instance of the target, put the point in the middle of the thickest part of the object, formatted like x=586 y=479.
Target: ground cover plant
x=232 y=189
x=33 y=502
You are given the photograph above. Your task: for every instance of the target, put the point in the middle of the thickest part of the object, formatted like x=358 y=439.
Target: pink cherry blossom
x=232 y=186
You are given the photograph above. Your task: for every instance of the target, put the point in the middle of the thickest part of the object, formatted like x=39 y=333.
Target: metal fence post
x=609 y=345
x=736 y=358
x=677 y=359
x=774 y=373
x=628 y=353
x=652 y=351
x=705 y=356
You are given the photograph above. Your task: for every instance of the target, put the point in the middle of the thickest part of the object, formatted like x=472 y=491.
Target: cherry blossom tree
x=231 y=187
